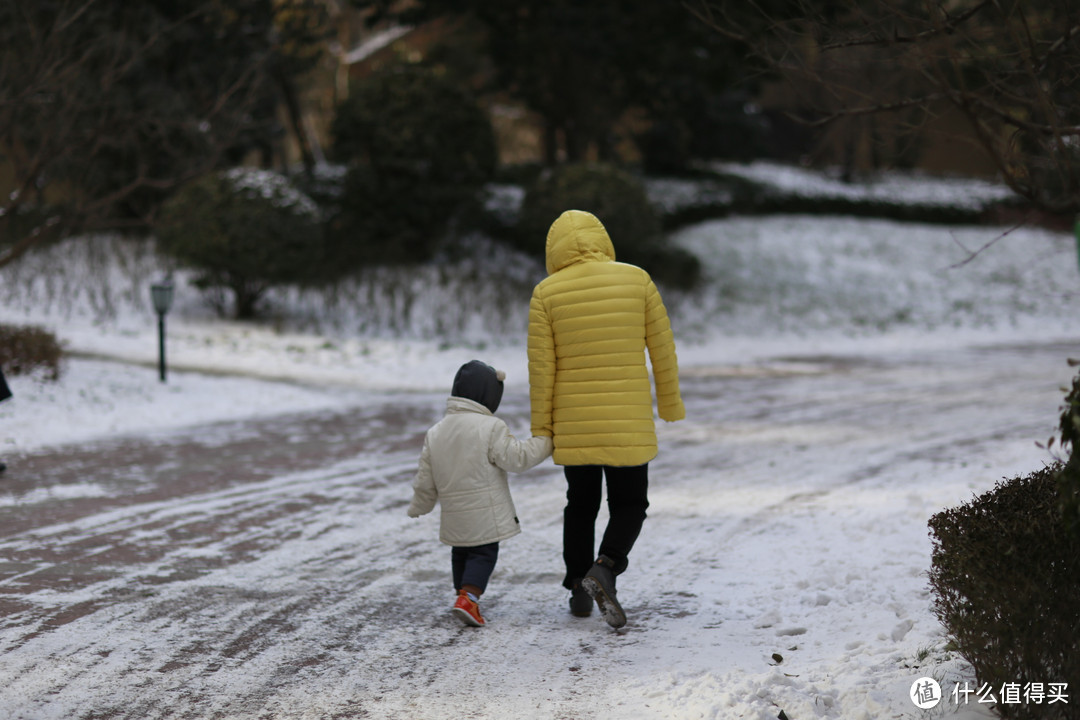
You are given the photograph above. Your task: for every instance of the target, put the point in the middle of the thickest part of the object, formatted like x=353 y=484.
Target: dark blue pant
x=473 y=565
x=627 y=493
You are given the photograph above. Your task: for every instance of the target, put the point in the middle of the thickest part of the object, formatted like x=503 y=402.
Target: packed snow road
x=266 y=569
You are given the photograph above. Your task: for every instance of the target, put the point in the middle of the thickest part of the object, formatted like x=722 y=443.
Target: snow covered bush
x=418 y=149
x=27 y=348
x=620 y=201
x=1006 y=577
x=244 y=230
x=324 y=184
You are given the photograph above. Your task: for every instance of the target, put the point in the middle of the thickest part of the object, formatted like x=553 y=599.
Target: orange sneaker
x=467 y=611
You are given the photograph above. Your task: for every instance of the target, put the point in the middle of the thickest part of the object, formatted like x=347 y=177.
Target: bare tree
x=105 y=105
x=1011 y=68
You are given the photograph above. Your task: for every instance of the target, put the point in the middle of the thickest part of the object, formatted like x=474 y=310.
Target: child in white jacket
x=463 y=466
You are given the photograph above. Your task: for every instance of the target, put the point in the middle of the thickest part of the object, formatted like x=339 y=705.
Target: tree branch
x=1056 y=47
x=872 y=109
x=947 y=28
x=976 y=253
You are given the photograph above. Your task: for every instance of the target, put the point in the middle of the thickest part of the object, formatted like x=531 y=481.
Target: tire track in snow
x=304 y=592
x=822 y=456
x=186 y=590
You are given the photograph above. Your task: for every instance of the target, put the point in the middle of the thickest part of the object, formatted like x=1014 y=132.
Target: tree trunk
x=292 y=104
x=247 y=296
x=575 y=147
x=551 y=143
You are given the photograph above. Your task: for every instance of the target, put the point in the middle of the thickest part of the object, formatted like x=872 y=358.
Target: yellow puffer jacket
x=590 y=322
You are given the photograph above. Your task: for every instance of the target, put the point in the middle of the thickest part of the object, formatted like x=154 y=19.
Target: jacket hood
x=480 y=383
x=576 y=236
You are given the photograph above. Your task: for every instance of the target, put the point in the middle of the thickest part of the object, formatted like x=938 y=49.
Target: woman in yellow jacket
x=590 y=322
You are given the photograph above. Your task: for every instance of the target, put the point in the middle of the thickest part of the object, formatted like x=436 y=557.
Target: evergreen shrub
x=418 y=148
x=619 y=200
x=244 y=230
x=1006 y=581
x=725 y=127
x=1069 y=478
x=665 y=148
x=27 y=348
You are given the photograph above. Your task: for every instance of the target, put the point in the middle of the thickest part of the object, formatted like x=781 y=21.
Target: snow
x=256 y=183
x=671 y=195
x=868 y=277
x=844 y=378
x=375 y=43
x=503 y=201
x=895 y=187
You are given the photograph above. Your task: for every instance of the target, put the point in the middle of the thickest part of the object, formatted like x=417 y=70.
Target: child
x=463 y=466
x=5 y=393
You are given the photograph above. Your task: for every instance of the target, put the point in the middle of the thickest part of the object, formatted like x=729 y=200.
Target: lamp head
x=162 y=295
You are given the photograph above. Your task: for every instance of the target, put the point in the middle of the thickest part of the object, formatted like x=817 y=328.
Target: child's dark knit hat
x=480 y=383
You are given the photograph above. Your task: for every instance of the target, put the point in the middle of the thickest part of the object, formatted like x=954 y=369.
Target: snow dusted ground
x=844 y=379
x=225 y=571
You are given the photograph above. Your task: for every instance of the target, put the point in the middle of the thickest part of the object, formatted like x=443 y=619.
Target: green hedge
x=741 y=195
x=27 y=348
x=619 y=200
x=1006 y=581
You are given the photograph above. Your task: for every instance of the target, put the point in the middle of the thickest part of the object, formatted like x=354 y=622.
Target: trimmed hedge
x=27 y=348
x=724 y=194
x=1006 y=579
x=619 y=200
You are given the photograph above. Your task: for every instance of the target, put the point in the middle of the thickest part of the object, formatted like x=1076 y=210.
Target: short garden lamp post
x=162 y=295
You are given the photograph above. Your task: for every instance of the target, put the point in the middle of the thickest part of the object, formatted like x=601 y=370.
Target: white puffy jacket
x=463 y=466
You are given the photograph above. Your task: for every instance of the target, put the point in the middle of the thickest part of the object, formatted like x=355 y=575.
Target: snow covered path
x=266 y=569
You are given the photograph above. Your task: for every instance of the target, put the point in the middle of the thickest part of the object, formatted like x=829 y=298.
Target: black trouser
x=627 y=497
x=473 y=565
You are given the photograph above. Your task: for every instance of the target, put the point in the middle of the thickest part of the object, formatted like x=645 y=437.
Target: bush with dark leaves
x=244 y=230
x=27 y=348
x=1006 y=581
x=619 y=200
x=418 y=149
